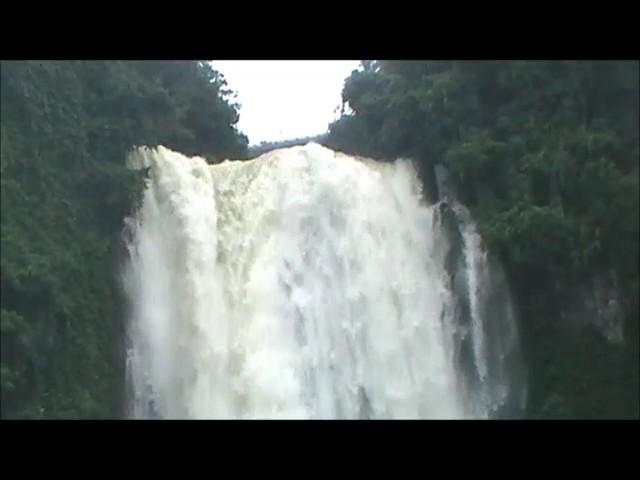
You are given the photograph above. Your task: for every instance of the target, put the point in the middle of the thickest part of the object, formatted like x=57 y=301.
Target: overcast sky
x=282 y=100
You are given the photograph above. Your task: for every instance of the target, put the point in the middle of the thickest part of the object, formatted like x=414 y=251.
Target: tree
x=546 y=155
x=66 y=129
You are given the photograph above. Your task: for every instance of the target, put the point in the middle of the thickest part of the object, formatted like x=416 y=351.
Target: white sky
x=286 y=99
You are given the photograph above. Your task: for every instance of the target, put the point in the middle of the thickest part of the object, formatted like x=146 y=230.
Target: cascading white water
x=305 y=284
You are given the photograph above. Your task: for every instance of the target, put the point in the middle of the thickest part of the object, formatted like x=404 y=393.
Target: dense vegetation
x=263 y=147
x=66 y=128
x=546 y=155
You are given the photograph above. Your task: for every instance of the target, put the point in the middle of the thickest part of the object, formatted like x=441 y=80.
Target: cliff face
x=579 y=359
x=545 y=155
x=596 y=301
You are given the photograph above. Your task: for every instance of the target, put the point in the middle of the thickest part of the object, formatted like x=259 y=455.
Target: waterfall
x=310 y=284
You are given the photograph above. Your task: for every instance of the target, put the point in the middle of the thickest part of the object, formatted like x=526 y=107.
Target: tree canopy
x=66 y=129
x=546 y=155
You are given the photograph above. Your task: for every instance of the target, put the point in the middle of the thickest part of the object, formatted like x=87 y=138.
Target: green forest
x=544 y=153
x=66 y=130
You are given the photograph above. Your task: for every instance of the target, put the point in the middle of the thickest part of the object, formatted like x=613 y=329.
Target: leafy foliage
x=264 y=147
x=66 y=129
x=546 y=155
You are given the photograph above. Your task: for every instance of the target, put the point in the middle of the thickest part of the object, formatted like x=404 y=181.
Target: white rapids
x=305 y=284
